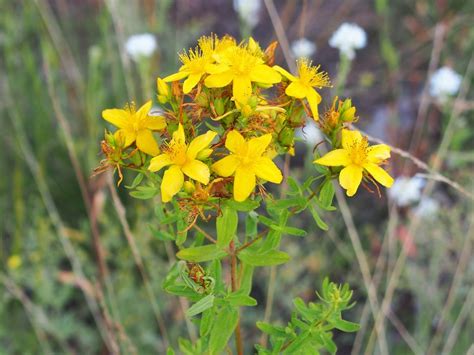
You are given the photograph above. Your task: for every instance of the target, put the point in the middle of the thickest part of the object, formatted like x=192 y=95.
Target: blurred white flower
x=444 y=82
x=427 y=208
x=406 y=191
x=248 y=11
x=310 y=133
x=347 y=38
x=141 y=45
x=303 y=48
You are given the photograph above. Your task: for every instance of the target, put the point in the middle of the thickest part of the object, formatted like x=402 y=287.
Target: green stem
x=235 y=287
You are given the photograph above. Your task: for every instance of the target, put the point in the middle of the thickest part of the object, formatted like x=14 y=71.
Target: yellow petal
x=144 y=110
x=336 y=157
x=172 y=182
x=199 y=143
x=285 y=73
x=159 y=162
x=197 y=170
x=242 y=89
x=244 y=183
x=155 y=123
x=226 y=166
x=204 y=154
x=176 y=76
x=129 y=136
x=349 y=138
x=264 y=74
x=216 y=68
x=146 y=142
x=235 y=142
x=178 y=135
x=379 y=174
x=191 y=82
x=219 y=80
x=378 y=153
x=296 y=89
x=116 y=116
x=258 y=145
x=266 y=169
x=313 y=99
x=350 y=178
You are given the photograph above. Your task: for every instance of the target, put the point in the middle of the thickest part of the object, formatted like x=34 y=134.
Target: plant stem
x=235 y=286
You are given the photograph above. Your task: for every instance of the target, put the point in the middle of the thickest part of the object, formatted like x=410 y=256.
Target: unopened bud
x=189 y=187
x=163 y=89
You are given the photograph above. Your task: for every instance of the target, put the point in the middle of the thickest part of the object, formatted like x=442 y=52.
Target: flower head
x=240 y=66
x=248 y=11
x=195 y=65
x=406 y=191
x=358 y=158
x=141 y=45
x=303 y=48
x=427 y=208
x=444 y=82
x=183 y=159
x=246 y=162
x=347 y=38
x=302 y=86
x=136 y=126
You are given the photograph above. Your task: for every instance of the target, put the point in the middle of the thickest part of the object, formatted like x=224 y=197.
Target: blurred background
x=80 y=265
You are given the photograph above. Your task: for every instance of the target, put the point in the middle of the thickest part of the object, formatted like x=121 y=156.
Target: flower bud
x=219 y=106
x=286 y=136
x=202 y=100
x=189 y=187
x=163 y=89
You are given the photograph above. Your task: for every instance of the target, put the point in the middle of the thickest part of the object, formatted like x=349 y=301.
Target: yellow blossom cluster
x=227 y=114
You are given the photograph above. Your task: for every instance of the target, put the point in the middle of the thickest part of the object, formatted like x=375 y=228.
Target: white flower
x=303 y=48
x=406 y=191
x=427 y=208
x=347 y=38
x=310 y=133
x=444 y=82
x=248 y=11
x=141 y=45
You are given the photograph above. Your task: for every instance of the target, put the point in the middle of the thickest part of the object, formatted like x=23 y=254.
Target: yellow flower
x=136 y=126
x=302 y=86
x=357 y=157
x=14 y=262
x=195 y=65
x=246 y=162
x=240 y=67
x=214 y=46
x=183 y=159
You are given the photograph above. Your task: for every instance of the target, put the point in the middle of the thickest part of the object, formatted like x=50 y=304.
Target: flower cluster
x=228 y=112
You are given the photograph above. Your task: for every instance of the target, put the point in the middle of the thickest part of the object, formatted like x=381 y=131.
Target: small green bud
x=219 y=106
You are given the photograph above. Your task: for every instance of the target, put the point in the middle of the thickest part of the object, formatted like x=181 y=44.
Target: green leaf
x=246 y=280
x=161 y=235
x=170 y=351
x=272 y=330
x=319 y=222
x=144 y=192
x=328 y=343
x=207 y=319
x=345 y=325
x=251 y=222
x=239 y=298
x=200 y=306
x=202 y=253
x=183 y=291
x=138 y=179
x=294 y=231
x=226 y=226
x=245 y=206
x=327 y=194
x=298 y=343
x=224 y=325
x=265 y=258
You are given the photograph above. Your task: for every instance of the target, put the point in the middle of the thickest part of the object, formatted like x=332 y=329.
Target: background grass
x=89 y=276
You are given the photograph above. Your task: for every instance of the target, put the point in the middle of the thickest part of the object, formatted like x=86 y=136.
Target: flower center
x=177 y=153
x=310 y=76
x=358 y=152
